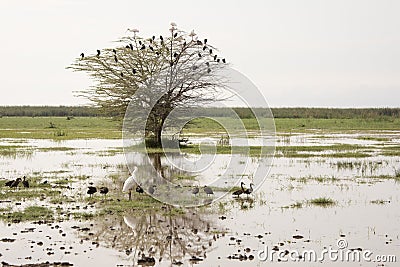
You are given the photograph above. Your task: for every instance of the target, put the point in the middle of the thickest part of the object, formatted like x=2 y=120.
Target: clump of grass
x=29 y=214
x=322 y=201
x=297 y=205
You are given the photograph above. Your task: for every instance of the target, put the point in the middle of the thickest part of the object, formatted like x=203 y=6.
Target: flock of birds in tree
x=206 y=50
x=130 y=184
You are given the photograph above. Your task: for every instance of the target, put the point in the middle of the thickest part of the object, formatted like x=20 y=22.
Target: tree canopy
x=160 y=72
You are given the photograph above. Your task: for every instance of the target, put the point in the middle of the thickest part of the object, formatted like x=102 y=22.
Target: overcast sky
x=339 y=53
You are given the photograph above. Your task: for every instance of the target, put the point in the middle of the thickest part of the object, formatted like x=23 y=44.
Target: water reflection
x=158 y=237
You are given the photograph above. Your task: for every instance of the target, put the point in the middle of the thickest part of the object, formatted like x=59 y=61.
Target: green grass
x=60 y=128
x=31 y=213
x=39 y=128
x=322 y=201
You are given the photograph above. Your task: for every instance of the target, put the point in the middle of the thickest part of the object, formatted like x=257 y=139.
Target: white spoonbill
x=130 y=183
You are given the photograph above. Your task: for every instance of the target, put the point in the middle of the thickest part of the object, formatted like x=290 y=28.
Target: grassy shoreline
x=61 y=128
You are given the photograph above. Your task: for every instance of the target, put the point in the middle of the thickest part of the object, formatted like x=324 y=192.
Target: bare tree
x=160 y=73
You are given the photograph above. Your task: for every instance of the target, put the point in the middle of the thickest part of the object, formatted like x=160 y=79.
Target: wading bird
x=139 y=189
x=103 y=190
x=195 y=190
x=152 y=188
x=91 y=190
x=208 y=190
x=248 y=191
x=16 y=182
x=240 y=191
x=130 y=183
x=25 y=182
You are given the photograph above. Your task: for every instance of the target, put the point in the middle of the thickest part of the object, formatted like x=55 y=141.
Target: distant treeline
x=321 y=113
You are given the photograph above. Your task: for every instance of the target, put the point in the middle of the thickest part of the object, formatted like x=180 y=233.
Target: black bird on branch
x=223 y=60
x=140 y=42
x=199 y=42
x=210 y=51
x=134 y=71
x=161 y=38
x=151 y=48
x=116 y=59
x=131 y=46
x=199 y=54
x=98 y=53
x=175 y=35
x=143 y=47
x=122 y=75
x=215 y=57
x=204 y=48
x=82 y=55
x=114 y=51
x=205 y=41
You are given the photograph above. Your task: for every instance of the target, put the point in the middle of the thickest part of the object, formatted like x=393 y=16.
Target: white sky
x=341 y=53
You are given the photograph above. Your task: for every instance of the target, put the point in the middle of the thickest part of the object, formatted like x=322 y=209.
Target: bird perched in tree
x=161 y=38
x=240 y=191
x=151 y=48
x=130 y=183
x=223 y=60
x=98 y=52
x=195 y=190
x=208 y=190
x=152 y=189
x=210 y=51
x=199 y=42
x=140 y=42
x=25 y=182
x=103 y=190
x=215 y=57
x=175 y=35
x=143 y=47
x=199 y=54
x=134 y=71
x=82 y=55
x=204 y=48
x=122 y=75
x=116 y=59
x=91 y=190
x=131 y=46
x=218 y=60
x=114 y=51
x=248 y=191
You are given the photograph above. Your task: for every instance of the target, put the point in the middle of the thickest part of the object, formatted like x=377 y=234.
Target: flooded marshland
x=321 y=188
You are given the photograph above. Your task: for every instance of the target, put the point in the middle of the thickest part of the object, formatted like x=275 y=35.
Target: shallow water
x=365 y=213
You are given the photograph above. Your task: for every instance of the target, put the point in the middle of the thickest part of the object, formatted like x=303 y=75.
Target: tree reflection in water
x=165 y=236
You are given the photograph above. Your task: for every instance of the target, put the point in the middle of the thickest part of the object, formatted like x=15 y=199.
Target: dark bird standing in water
x=152 y=188
x=25 y=182
x=139 y=189
x=208 y=190
x=91 y=190
x=248 y=191
x=103 y=190
x=16 y=182
x=195 y=190
x=240 y=191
